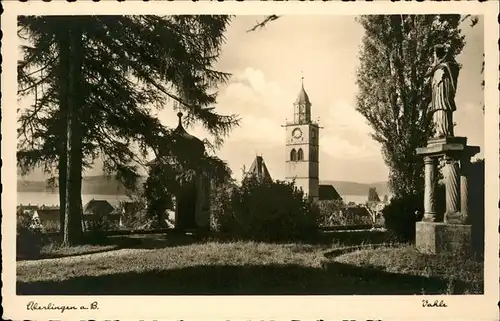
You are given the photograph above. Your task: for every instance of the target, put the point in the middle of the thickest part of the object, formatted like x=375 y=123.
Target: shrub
x=51 y=227
x=97 y=224
x=375 y=210
x=221 y=215
x=29 y=238
x=135 y=215
x=360 y=215
x=334 y=213
x=265 y=211
x=400 y=216
x=158 y=195
x=337 y=213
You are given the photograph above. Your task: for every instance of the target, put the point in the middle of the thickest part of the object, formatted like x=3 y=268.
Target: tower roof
x=302 y=98
x=259 y=169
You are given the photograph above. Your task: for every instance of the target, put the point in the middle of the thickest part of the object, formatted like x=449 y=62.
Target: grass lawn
x=56 y=251
x=220 y=268
x=464 y=275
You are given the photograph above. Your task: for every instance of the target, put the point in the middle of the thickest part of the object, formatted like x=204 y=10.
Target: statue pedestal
x=457 y=155
x=439 y=238
x=455 y=232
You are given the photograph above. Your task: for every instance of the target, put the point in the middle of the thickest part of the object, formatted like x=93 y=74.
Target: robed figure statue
x=444 y=75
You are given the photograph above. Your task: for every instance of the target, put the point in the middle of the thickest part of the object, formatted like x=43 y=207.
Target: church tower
x=302 y=147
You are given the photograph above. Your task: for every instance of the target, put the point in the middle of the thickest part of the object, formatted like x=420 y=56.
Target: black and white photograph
x=272 y=154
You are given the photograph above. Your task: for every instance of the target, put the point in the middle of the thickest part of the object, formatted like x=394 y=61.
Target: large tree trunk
x=64 y=53
x=73 y=219
x=62 y=187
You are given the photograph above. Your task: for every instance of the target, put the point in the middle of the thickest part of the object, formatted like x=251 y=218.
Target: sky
x=267 y=66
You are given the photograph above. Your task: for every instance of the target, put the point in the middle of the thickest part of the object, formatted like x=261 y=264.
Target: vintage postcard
x=250 y=161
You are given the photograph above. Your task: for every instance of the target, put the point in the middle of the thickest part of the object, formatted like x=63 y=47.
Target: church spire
x=302 y=106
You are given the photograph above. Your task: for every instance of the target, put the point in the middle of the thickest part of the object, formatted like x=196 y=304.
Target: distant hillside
x=109 y=186
x=32 y=186
x=352 y=188
x=102 y=185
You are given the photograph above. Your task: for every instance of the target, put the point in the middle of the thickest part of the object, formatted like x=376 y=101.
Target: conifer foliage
x=396 y=53
x=94 y=84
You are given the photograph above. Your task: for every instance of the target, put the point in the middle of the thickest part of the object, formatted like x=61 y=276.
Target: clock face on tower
x=296 y=133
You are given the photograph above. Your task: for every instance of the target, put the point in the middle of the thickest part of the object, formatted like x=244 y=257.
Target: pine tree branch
x=47 y=65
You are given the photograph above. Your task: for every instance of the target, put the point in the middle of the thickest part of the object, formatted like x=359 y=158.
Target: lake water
x=49 y=199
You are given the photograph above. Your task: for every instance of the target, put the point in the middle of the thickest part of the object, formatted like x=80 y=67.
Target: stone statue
x=444 y=75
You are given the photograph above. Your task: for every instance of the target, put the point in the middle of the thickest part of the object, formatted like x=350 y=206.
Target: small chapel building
x=191 y=198
x=259 y=170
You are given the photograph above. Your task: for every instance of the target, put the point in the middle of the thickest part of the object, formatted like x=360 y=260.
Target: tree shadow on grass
x=331 y=279
x=113 y=243
x=56 y=255
x=150 y=241
x=144 y=240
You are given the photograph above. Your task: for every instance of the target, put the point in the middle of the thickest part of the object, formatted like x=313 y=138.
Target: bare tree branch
x=264 y=22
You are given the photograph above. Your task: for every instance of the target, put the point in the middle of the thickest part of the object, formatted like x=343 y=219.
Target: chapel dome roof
x=185 y=147
x=193 y=143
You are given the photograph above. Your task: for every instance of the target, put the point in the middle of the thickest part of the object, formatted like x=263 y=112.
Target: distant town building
x=48 y=219
x=98 y=207
x=359 y=214
x=259 y=170
x=357 y=210
x=328 y=192
x=100 y=212
x=27 y=209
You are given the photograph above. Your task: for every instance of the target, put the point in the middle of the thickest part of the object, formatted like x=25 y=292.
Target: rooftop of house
x=28 y=207
x=50 y=214
x=328 y=192
x=259 y=169
x=358 y=211
x=101 y=207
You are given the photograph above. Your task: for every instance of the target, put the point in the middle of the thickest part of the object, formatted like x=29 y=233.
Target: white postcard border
x=467 y=307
